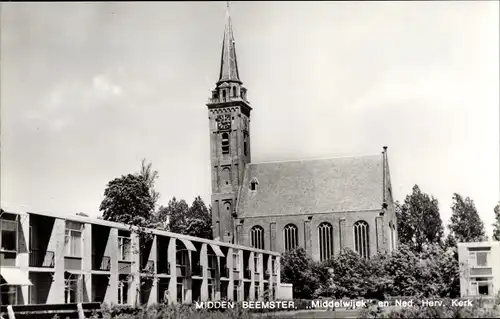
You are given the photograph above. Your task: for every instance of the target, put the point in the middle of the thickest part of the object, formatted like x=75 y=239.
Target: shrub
x=478 y=310
x=432 y=273
x=297 y=269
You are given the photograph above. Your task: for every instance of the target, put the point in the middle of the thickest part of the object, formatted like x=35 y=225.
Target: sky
x=89 y=89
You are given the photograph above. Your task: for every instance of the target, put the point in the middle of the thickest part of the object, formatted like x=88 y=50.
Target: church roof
x=312 y=186
x=228 y=64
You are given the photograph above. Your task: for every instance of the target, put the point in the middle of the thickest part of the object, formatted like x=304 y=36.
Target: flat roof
x=120 y=226
x=480 y=244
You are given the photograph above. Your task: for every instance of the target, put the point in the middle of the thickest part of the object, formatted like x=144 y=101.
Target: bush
x=432 y=273
x=186 y=311
x=297 y=269
x=478 y=310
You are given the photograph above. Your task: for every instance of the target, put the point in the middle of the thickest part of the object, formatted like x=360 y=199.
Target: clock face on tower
x=223 y=122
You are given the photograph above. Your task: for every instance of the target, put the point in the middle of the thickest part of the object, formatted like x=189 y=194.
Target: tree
x=354 y=276
x=150 y=176
x=127 y=200
x=466 y=225
x=194 y=220
x=296 y=268
x=174 y=214
x=496 y=225
x=199 y=220
x=419 y=222
x=450 y=241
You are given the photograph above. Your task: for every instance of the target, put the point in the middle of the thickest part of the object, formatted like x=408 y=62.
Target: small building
x=479 y=268
x=53 y=259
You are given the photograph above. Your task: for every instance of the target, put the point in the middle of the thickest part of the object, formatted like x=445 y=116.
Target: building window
x=8 y=294
x=325 y=234
x=479 y=258
x=227 y=207
x=225 y=176
x=211 y=289
x=361 y=239
x=236 y=262
x=245 y=146
x=253 y=186
x=72 y=288
x=257 y=237
x=73 y=238
x=225 y=143
x=273 y=267
x=180 y=290
x=8 y=236
x=256 y=264
x=123 y=286
x=124 y=244
x=236 y=289
x=291 y=235
x=234 y=91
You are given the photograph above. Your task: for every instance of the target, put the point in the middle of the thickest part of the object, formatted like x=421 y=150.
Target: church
x=321 y=205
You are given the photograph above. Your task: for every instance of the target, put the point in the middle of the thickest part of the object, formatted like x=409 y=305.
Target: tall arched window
x=361 y=239
x=225 y=143
x=234 y=91
x=291 y=237
x=325 y=234
x=257 y=237
x=393 y=236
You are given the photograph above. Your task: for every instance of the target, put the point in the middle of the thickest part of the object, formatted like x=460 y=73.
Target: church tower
x=229 y=116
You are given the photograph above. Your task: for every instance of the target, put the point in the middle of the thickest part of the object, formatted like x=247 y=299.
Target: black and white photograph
x=246 y=159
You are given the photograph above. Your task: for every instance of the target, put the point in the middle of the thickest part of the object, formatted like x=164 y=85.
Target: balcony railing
x=211 y=272
x=101 y=263
x=247 y=274
x=267 y=274
x=164 y=268
x=225 y=99
x=197 y=270
x=149 y=267
x=181 y=270
x=224 y=272
x=41 y=258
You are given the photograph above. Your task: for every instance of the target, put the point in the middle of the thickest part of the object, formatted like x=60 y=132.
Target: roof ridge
x=316 y=159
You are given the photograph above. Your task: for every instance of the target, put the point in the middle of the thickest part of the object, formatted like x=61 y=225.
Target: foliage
x=150 y=176
x=419 y=222
x=127 y=200
x=353 y=276
x=447 y=310
x=432 y=273
x=186 y=311
x=199 y=220
x=450 y=241
x=466 y=225
x=496 y=225
x=297 y=268
x=194 y=220
x=174 y=214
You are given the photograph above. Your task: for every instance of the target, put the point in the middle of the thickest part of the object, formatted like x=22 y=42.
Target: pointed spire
x=228 y=64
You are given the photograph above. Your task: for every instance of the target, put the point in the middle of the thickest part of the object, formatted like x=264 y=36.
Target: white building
x=479 y=268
